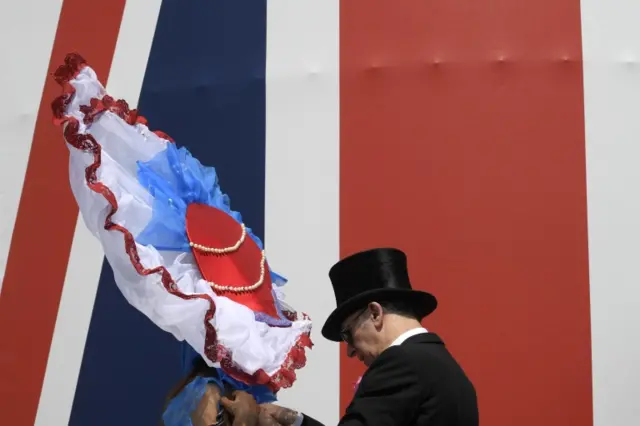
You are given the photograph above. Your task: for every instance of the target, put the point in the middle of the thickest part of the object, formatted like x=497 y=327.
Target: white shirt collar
x=404 y=336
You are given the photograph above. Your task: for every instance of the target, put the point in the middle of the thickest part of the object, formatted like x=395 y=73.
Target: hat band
x=224 y=250
x=227 y=250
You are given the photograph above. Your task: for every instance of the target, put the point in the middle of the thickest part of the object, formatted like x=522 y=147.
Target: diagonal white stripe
x=25 y=49
x=302 y=180
x=611 y=46
x=85 y=261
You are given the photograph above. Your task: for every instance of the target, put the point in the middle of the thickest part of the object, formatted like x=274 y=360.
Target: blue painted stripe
x=204 y=86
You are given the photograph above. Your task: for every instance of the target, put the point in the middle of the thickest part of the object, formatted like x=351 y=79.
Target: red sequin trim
x=73 y=64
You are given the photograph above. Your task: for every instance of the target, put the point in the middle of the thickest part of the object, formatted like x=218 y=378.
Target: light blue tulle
x=176 y=179
x=180 y=408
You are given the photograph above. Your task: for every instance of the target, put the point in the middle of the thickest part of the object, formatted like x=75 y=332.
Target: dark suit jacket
x=416 y=383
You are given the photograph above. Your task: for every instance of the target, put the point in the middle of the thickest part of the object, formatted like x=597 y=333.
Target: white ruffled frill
x=106 y=140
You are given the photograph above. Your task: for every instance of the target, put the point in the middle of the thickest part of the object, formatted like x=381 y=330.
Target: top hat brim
x=421 y=302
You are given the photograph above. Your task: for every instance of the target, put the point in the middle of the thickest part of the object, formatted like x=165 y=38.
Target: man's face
x=360 y=332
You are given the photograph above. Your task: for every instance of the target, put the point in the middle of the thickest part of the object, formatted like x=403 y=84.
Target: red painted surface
x=46 y=218
x=462 y=142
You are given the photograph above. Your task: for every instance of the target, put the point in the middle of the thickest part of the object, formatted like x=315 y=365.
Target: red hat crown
x=229 y=259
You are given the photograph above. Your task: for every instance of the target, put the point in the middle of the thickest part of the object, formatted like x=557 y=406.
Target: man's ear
x=375 y=309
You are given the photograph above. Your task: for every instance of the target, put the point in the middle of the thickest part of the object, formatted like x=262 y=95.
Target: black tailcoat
x=415 y=383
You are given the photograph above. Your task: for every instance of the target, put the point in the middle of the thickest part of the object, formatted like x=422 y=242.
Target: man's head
x=371 y=329
x=372 y=289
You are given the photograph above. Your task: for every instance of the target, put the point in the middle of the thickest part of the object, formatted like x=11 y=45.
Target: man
x=411 y=379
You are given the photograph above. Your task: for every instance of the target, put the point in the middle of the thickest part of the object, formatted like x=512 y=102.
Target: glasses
x=346 y=333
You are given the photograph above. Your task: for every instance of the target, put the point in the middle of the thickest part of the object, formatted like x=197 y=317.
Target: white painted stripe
x=302 y=180
x=132 y=50
x=26 y=49
x=85 y=262
x=611 y=48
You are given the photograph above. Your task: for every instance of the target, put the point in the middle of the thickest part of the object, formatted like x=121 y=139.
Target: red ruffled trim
x=73 y=64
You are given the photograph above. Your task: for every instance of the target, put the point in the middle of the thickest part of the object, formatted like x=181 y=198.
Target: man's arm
x=287 y=417
x=308 y=421
x=389 y=394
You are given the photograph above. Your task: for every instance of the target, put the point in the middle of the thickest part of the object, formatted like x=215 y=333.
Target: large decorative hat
x=178 y=251
x=376 y=275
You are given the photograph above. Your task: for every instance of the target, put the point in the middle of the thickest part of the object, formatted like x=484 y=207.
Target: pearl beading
x=245 y=288
x=224 y=250
x=231 y=249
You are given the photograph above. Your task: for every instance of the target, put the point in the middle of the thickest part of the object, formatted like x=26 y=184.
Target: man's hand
x=283 y=416
x=264 y=419
x=207 y=410
x=243 y=408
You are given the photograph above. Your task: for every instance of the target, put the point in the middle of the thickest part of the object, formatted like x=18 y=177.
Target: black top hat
x=376 y=275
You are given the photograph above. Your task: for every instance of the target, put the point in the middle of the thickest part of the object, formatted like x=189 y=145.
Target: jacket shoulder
x=392 y=367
